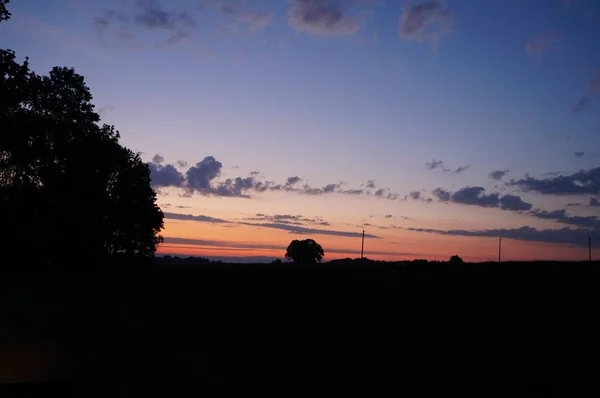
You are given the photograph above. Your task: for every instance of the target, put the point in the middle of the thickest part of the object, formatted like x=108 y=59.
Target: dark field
x=285 y=330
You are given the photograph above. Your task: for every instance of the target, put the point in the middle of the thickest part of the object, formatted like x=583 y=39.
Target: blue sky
x=349 y=90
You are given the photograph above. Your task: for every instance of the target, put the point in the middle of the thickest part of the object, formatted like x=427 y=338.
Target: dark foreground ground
x=267 y=330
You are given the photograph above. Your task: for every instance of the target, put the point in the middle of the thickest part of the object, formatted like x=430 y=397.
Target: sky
x=437 y=127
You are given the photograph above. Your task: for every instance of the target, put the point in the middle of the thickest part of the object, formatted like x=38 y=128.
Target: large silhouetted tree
x=67 y=187
x=304 y=251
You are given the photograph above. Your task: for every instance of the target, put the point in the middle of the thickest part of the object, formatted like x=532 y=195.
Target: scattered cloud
x=442 y=194
x=582 y=104
x=385 y=193
x=426 y=22
x=158 y=159
x=541 y=44
x=498 y=174
x=514 y=203
x=574 y=204
x=565 y=235
x=579 y=183
x=439 y=164
x=435 y=164
x=253 y=21
x=165 y=176
x=594 y=202
x=181 y=163
x=370 y=184
x=151 y=15
x=293 y=180
x=198 y=218
x=321 y=18
x=199 y=177
x=416 y=195
x=148 y=14
x=388 y=216
x=476 y=196
x=579 y=154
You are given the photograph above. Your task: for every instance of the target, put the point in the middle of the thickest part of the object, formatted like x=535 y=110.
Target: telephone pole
x=362 y=248
x=500 y=250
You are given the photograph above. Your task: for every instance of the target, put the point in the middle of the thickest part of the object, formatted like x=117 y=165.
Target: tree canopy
x=304 y=251
x=67 y=187
x=4 y=14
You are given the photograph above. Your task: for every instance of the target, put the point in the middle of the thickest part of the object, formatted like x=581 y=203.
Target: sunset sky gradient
x=435 y=126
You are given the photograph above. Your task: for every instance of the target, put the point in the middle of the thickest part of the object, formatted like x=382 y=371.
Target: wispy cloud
x=198 y=218
x=579 y=154
x=439 y=164
x=578 y=237
x=427 y=21
x=562 y=217
x=252 y=21
x=310 y=231
x=147 y=14
x=288 y=219
x=151 y=15
x=461 y=169
x=436 y=164
x=582 y=104
x=322 y=18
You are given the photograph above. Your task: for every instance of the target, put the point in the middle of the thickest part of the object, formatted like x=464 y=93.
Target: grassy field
x=286 y=330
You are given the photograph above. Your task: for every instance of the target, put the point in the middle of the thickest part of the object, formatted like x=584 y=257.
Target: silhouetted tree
x=67 y=187
x=4 y=14
x=277 y=262
x=455 y=260
x=304 y=251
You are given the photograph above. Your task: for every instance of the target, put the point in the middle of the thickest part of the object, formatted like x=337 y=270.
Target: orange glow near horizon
x=233 y=240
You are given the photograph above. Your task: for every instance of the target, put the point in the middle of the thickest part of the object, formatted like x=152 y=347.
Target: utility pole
x=500 y=250
x=362 y=248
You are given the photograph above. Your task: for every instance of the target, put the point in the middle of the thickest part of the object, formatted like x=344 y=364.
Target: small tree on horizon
x=306 y=251
x=455 y=260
